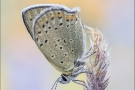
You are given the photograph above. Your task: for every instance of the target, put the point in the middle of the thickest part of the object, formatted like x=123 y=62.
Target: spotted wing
x=58 y=33
x=29 y=14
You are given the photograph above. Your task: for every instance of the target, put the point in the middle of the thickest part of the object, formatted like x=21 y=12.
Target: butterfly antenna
x=88 y=55
x=55 y=84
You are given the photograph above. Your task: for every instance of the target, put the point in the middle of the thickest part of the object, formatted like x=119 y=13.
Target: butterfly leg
x=81 y=61
x=88 y=55
x=80 y=82
x=88 y=28
x=83 y=70
x=55 y=84
x=88 y=51
x=91 y=29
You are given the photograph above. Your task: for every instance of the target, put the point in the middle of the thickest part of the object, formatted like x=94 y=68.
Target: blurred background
x=23 y=67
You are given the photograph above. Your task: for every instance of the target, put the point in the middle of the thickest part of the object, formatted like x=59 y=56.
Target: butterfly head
x=64 y=79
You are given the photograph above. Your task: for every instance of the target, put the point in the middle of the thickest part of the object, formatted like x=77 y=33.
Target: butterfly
x=59 y=34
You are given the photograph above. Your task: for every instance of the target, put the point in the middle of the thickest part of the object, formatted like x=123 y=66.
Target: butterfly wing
x=58 y=33
x=29 y=14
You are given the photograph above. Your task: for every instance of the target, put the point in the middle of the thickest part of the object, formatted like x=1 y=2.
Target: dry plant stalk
x=98 y=63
